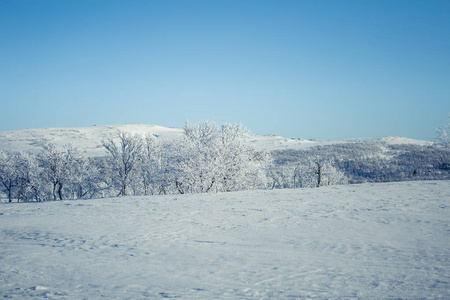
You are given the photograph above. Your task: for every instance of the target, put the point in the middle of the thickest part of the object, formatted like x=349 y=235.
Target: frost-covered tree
x=86 y=182
x=321 y=173
x=19 y=176
x=123 y=159
x=211 y=159
x=158 y=172
x=149 y=166
x=8 y=173
x=167 y=173
x=59 y=167
x=443 y=134
x=282 y=177
x=242 y=167
x=196 y=158
x=310 y=172
x=331 y=175
x=29 y=181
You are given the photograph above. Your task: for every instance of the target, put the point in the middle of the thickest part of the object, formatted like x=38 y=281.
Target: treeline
x=208 y=158
x=368 y=162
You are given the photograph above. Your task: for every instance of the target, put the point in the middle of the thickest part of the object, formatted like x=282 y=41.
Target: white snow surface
x=378 y=241
x=88 y=139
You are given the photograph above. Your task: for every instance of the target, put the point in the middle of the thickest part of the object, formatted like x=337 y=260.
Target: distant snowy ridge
x=88 y=139
x=272 y=142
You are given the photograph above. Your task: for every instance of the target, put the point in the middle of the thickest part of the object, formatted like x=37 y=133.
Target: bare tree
x=85 y=183
x=59 y=166
x=156 y=175
x=124 y=158
x=29 y=183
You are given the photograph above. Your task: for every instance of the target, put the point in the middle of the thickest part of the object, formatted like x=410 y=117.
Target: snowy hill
x=375 y=241
x=88 y=139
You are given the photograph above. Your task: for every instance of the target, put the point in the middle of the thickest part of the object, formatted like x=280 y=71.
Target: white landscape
x=259 y=241
x=378 y=241
x=338 y=189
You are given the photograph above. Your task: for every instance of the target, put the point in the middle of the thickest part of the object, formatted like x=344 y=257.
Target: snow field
x=389 y=240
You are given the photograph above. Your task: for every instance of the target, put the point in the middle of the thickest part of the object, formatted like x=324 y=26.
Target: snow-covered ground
x=88 y=139
x=377 y=241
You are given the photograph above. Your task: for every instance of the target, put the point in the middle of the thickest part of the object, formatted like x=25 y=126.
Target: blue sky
x=307 y=69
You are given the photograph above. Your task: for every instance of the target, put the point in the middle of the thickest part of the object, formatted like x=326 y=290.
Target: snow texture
x=389 y=240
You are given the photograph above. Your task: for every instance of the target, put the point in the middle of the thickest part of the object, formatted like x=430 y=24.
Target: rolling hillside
x=88 y=139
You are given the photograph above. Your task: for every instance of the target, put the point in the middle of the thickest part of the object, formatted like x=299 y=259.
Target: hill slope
x=375 y=241
x=88 y=139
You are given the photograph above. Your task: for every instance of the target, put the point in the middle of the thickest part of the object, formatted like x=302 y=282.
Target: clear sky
x=307 y=69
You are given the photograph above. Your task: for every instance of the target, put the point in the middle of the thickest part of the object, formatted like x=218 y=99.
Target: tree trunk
x=60 y=191
x=54 y=191
x=210 y=186
x=179 y=187
x=124 y=189
x=318 y=174
x=10 y=191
